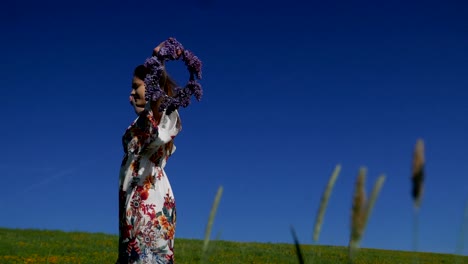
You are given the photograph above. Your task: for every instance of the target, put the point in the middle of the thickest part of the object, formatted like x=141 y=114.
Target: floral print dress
x=147 y=213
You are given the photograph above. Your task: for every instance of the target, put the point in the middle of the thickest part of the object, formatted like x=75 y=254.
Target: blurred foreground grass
x=44 y=246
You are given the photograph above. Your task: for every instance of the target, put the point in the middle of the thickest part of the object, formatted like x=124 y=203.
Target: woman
x=147 y=214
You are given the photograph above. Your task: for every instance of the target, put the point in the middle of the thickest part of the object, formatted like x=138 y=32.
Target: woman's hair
x=167 y=84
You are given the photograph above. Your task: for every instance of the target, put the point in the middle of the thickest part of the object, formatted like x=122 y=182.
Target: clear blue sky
x=291 y=89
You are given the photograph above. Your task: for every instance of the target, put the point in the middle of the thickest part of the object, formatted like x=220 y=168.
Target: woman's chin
x=138 y=109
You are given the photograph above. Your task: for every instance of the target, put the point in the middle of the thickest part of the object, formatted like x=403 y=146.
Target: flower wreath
x=171 y=49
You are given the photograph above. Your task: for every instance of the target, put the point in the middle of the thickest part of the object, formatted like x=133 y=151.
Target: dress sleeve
x=167 y=129
x=148 y=133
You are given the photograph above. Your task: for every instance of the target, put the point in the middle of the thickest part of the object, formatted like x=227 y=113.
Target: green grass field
x=43 y=246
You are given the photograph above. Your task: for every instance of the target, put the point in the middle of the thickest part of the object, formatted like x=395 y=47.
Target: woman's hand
x=156 y=50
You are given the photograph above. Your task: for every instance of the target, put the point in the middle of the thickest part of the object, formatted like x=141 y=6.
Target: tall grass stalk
x=324 y=202
x=373 y=198
x=362 y=209
x=299 y=254
x=357 y=212
x=463 y=234
x=209 y=225
x=415 y=233
x=417 y=178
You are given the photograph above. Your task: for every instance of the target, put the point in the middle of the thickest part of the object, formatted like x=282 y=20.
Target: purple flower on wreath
x=155 y=66
x=170 y=50
x=193 y=64
x=195 y=89
x=167 y=102
x=153 y=91
x=183 y=96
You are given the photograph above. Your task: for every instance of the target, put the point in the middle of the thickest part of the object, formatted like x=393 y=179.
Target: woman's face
x=137 y=96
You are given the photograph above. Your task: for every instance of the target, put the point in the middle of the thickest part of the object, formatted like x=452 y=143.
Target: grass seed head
x=324 y=202
x=209 y=225
x=372 y=199
x=418 y=172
